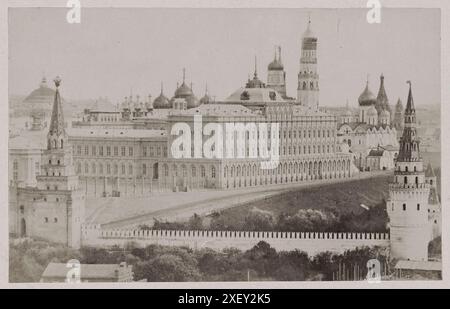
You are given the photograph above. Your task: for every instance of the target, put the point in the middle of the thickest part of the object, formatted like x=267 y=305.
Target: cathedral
x=371 y=135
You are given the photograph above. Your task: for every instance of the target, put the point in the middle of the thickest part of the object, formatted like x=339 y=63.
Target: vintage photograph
x=224 y=144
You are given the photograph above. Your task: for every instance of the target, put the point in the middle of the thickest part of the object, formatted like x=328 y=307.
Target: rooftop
x=87 y=271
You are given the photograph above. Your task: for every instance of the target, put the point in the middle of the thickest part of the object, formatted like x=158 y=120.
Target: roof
x=216 y=109
x=376 y=152
x=254 y=95
x=87 y=271
x=433 y=198
x=419 y=265
x=115 y=132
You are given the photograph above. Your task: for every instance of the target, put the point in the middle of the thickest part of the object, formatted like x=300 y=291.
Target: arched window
x=405 y=180
x=404 y=206
x=202 y=171
x=213 y=172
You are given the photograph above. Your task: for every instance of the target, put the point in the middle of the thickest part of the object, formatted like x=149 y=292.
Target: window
x=213 y=172
x=108 y=151
x=22 y=209
x=194 y=171
x=122 y=151
x=158 y=151
x=93 y=168
x=46 y=220
x=79 y=168
x=100 y=148
x=405 y=180
x=86 y=150
x=55 y=220
x=166 y=170
x=94 y=150
x=130 y=151
x=152 y=153
x=418 y=206
x=108 y=168
x=404 y=206
x=202 y=171
x=100 y=168
x=144 y=169
x=144 y=151
x=130 y=169
x=116 y=151
x=86 y=168
x=123 y=169
x=116 y=169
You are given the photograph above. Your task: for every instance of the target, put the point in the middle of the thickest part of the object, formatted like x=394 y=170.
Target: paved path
x=181 y=206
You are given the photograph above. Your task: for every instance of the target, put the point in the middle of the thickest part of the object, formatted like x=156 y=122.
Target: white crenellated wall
x=309 y=242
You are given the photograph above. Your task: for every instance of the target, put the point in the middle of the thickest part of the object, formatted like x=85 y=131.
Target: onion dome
x=276 y=64
x=206 y=99
x=367 y=98
x=255 y=82
x=185 y=92
x=161 y=101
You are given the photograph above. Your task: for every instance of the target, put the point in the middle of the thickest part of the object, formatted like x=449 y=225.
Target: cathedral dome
x=206 y=99
x=275 y=65
x=183 y=91
x=161 y=102
x=367 y=97
x=43 y=94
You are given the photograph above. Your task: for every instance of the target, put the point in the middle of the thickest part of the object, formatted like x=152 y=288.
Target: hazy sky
x=115 y=50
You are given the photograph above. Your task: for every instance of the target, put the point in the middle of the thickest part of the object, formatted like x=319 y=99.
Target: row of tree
x=163 y=263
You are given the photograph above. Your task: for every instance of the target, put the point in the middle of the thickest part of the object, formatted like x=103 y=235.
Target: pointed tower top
x=184 y=75
x=162 y=87
x=57 y=119
x=279 y=53
x=410 y=104
x=255 y=74
x=429 y=172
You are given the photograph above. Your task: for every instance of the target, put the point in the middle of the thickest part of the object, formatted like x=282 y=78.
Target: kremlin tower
x=407 y=205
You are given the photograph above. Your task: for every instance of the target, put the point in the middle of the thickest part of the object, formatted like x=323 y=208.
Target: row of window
x=116 y=151
x=108 y=169
x=404 y=207
x=108 y=151
x=46 y=220
x=193 y=171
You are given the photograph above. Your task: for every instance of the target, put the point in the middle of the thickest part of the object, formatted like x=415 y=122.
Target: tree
x=259 y=220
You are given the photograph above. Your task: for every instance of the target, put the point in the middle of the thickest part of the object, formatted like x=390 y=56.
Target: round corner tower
x=407 y=205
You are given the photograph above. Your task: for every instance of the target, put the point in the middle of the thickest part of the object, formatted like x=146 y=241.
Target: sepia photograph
x=220 y=144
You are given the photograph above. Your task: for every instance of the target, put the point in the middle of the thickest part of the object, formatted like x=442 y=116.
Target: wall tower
x=407 y=205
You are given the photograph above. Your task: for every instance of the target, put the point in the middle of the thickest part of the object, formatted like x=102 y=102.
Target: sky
x=115 y=52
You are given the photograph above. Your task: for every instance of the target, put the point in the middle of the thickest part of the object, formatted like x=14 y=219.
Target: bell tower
x=308 y=78
x=407 y=205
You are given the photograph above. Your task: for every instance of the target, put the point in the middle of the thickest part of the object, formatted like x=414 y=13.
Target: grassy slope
x=347 y=197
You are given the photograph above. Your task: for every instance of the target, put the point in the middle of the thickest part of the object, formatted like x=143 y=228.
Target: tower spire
x=57 y=119
x=279 y=53
x=162 y=87
x=410 y=104
x=184 y=75
x=256 y=73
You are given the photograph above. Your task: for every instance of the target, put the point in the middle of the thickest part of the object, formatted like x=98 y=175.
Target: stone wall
x=310 y=242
